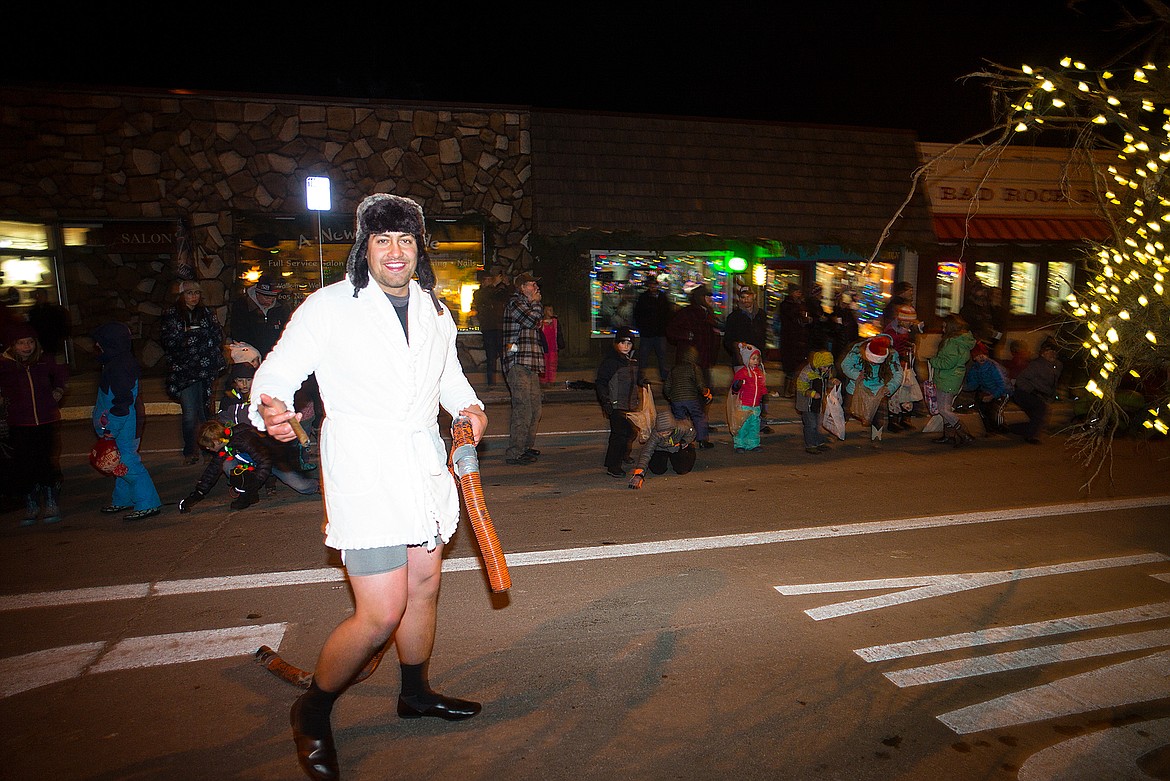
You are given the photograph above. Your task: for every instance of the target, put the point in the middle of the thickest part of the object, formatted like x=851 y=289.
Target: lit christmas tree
x=1123 y=310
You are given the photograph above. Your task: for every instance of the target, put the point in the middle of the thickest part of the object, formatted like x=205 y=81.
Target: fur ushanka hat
x=380 y=213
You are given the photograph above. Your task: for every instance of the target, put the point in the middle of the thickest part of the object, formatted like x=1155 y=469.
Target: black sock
x=316 y=707
x=414 y=680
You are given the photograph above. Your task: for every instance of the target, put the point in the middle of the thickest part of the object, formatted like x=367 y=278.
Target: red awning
x=983 y=228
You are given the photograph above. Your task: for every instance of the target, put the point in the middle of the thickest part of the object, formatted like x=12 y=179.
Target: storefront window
x=618 y=277
x=869 y=287
x=289 y=247
x=1023 y=290
x=989 y=274
x=948 y=280
x=1060 y=286
x=26 y=264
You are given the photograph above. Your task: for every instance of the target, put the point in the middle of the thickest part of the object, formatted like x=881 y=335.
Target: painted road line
x=942 y=585
x=158 y=650
x=1109 y=753
x=1140 y=680
x=1003 y=634
x=42 y=668
x=1029 y=657
x=565 y=555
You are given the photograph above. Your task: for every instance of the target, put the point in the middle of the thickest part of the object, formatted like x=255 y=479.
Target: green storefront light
x=737 y=264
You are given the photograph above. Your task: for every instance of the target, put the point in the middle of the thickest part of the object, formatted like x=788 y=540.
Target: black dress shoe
x=317 y=756
x=532 y=452
x=437 y=705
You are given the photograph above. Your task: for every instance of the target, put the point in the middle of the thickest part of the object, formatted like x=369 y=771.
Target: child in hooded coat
x=812 y=383
x=688 y=395
x=119 y=413
x=749 y=383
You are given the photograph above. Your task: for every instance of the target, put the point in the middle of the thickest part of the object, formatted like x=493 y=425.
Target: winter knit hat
x=906 y=313
x=746 y=351
x=821 y=359
x=190 y=286
x=877 y=349
x=623 y=335
x=382 y=213
x=20 y=330
x=979 y=349
x=241 y=371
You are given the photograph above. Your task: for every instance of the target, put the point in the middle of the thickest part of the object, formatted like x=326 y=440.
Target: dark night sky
x=880 y=64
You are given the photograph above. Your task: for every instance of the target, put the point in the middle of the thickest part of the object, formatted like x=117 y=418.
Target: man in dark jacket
x=489 y=302
x=258 y=316
x=1035 y=388
x=652 y=313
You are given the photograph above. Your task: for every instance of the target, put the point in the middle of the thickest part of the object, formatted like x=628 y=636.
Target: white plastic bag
x=833 y=413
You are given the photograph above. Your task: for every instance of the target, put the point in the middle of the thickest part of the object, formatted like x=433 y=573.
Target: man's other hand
x=276 y=417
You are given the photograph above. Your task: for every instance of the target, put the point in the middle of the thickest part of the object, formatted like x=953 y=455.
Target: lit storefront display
x=1059 y=287
x=617 y=277
x=948 y=288
x=1023 y=288
x=27 y=263
x=289 y=247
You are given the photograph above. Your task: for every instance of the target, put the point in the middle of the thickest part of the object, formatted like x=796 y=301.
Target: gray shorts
x=376 y=561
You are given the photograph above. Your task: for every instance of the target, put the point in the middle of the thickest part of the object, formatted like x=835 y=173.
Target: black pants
x=620 y=434
x=682 y=461
x=35 y=450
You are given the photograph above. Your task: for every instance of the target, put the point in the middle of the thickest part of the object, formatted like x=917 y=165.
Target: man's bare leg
x=415 y=640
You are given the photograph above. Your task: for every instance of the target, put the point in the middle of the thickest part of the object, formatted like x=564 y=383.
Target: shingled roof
x=674 y=176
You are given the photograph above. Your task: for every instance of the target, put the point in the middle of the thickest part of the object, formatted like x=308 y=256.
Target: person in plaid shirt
x=523 y=363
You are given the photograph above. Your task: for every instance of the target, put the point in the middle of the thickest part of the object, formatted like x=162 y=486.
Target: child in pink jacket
x=749 y=383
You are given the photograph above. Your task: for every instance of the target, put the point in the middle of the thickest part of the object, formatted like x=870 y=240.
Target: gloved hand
x=735 y=386
x=643 y=382
x=637 y=479
x=708 y=397
x=192 y=499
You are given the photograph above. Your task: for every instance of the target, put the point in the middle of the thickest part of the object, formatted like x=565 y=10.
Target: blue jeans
x=813 y=435
x=193 y=401
x=694 y=410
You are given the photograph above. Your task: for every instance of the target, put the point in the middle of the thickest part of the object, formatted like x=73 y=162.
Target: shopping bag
x=934 y=425
x=930 y=393
x=910 y=390
x=643 y=417
x=833 y=413
x=736 y=414
x=865 y=403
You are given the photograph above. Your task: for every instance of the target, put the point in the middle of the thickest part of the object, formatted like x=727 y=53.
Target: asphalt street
x=912 y=611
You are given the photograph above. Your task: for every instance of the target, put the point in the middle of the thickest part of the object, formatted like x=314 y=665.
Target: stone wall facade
x=138 y=155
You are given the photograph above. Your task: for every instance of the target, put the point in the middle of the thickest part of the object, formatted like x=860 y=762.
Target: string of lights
x=1122 y=312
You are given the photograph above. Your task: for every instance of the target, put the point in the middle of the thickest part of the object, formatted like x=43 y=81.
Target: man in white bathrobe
x=385 y=359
